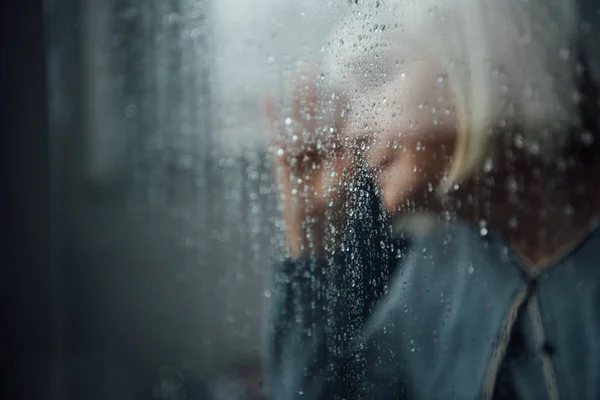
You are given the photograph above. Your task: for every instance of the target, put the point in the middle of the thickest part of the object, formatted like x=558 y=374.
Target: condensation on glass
x=173 y=97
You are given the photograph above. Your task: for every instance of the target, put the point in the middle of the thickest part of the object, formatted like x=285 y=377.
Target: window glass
x=282 y=199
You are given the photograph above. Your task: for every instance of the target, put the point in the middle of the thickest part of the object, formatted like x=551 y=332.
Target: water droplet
x=587 y=139
x=288 y=121
x=564 y=54
x=519 y=141
x=267 y=293
x=471 y=269
x=534 y=148
x=511 y=184
x=280 y=152
x=489 y=165
x=568 y=210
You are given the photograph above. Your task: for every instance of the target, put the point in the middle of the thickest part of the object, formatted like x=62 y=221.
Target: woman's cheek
x=398 y=181
x=418 y=166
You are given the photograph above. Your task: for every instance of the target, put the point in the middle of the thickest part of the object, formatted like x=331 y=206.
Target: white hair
x=508 y=63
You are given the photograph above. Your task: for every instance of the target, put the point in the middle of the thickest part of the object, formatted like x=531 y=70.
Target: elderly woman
x=475 y=122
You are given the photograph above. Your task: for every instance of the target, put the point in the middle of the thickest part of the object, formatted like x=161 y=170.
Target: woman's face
x=409 y=128
x=410 y=166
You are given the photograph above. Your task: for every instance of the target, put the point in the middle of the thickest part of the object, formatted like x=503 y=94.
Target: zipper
x=535 y=316
x=504 y=338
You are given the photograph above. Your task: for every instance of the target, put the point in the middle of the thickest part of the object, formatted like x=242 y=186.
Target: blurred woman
x=481 y=116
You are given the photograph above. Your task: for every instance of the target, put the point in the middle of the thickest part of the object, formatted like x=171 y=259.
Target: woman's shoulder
x=449 y=290
x=452 y=261
x=443 y=241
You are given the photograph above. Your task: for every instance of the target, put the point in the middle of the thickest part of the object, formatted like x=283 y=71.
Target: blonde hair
x=508 y=63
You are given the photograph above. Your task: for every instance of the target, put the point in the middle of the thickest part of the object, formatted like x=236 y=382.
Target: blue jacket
x=450 y=316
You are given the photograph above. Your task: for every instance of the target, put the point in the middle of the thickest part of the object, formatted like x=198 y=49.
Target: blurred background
x=139 y=206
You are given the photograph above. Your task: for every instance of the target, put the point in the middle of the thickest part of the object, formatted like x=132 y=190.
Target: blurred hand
x=315 y=166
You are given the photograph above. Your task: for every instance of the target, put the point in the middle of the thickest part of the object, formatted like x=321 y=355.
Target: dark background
x=98 y=290
x=32 y=316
